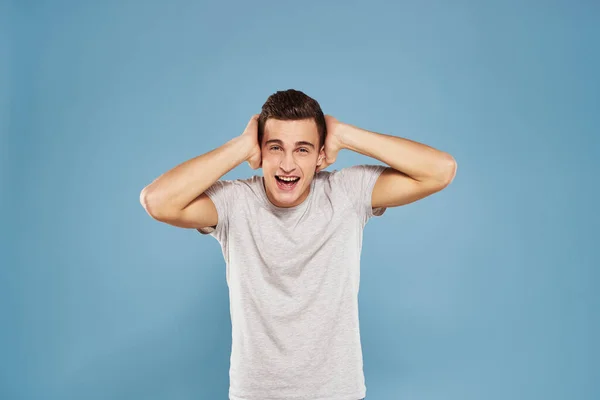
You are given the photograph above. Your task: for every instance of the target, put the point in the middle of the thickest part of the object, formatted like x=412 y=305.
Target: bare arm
x=177 y=196
x=415 y=170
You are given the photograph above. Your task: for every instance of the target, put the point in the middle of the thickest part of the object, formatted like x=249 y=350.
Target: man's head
x=291 y=134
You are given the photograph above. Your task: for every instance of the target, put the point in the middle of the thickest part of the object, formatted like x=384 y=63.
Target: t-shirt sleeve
x=222 y=194
x=357 y=182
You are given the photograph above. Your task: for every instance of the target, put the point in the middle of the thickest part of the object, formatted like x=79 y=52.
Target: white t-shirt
x=293 y=276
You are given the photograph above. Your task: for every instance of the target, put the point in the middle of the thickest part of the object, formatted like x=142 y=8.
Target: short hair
x=290 y=105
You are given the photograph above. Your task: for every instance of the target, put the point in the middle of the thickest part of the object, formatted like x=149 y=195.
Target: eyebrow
x=299 y=143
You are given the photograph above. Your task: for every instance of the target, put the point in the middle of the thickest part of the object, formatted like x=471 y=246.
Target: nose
x=287 y=163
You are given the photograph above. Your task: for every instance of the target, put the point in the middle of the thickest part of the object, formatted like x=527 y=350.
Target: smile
x=286 y=183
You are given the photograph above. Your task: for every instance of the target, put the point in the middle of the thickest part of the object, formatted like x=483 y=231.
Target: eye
x=274 y=147
x=303 y=149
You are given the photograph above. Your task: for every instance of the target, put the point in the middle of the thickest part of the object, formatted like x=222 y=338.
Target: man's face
x=290 y=149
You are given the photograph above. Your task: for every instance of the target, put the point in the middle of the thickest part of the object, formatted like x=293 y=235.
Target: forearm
x=417 y=160
x=178 y=187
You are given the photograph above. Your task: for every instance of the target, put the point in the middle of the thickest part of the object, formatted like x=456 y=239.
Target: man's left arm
x=415 y=170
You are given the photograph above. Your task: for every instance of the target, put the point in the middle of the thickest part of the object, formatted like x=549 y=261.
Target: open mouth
x=287 y=183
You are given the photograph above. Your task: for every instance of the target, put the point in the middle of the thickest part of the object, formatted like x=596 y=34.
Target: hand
x=333 y=143
x=254 y=158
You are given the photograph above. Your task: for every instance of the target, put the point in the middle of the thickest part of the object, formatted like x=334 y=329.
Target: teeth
x=287 y=179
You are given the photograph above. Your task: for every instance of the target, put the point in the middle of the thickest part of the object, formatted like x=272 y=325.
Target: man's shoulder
x=245 y=188
x=239 y=183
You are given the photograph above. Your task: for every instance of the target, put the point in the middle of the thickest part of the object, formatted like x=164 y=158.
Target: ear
x=320 y=159
x=321 y=156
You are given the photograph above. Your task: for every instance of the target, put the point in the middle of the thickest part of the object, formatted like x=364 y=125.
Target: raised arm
x=415 y=170
x=177 y=196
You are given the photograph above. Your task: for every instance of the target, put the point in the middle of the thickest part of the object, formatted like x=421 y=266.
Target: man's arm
x=417 y=170
x=177 y=196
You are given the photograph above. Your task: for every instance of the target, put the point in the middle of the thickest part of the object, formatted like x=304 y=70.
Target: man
x=292 y=239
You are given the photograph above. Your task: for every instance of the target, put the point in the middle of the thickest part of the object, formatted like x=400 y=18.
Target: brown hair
x=292 y=105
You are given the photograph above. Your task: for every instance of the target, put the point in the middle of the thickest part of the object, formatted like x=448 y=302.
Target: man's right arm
x=177 y=197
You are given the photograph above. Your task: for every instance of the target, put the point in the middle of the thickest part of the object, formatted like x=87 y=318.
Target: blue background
x=486 y=290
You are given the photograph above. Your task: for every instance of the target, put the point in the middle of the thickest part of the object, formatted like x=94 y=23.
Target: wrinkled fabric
x=293 y=276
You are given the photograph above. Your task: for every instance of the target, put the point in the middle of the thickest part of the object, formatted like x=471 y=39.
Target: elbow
x=144 y=198
x=452 y=167
x=147 y=204
x=447 y=170
x=154 y=207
